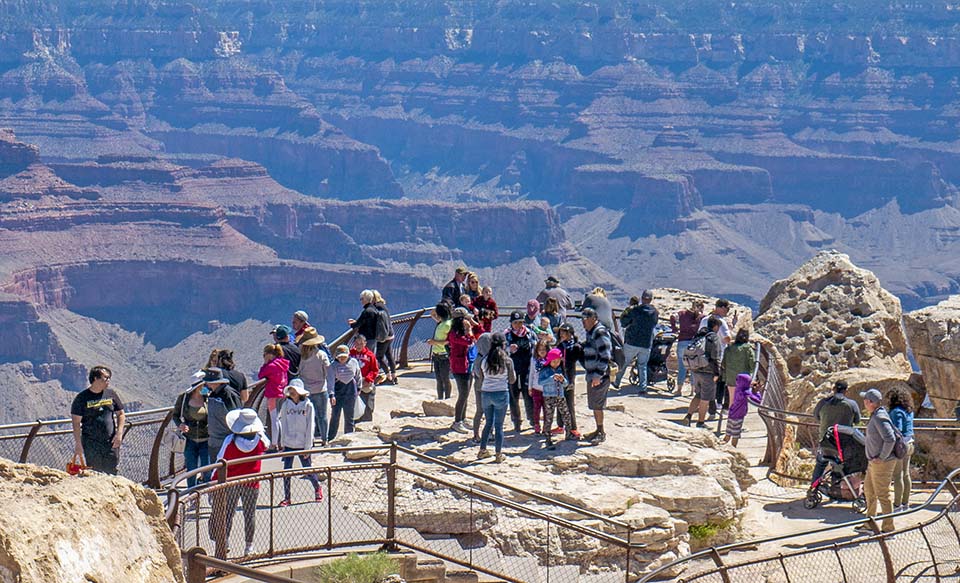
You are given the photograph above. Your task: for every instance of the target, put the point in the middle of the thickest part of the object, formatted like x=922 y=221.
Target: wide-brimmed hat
x=296 y=385
x=244 y=421
x=315 y=341
x=214 y=376
x=196 y=379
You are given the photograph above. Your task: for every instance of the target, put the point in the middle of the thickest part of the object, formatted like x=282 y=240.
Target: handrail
x=713 y=553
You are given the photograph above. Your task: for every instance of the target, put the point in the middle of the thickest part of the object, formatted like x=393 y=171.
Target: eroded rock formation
x=57 y=528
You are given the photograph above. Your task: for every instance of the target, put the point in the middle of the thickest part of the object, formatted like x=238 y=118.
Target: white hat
x=296 y=385
x=244 y=421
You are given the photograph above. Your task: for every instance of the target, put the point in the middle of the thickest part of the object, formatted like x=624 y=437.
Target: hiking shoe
x=700 y=425
x=687 y=419
x=284 y=503
x=459 y=427
x=319 y=495
x=599 y=438
x=500 y=458
x=558 y=431
x=864 y=529
x=549 y=444
x=589 y=436
x=484 y=454
x=248 y=549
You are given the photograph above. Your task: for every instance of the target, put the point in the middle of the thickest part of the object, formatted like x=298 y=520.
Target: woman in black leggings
x=385 y=346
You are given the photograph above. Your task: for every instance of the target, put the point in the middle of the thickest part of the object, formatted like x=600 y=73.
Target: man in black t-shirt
x=98 y=420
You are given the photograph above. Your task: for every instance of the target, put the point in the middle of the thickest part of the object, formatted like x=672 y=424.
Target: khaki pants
x=877 y=489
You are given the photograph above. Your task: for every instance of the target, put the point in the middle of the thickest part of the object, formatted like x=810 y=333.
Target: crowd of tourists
x=310 y=391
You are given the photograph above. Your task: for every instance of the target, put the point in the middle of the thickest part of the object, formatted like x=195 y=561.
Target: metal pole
x=29 y=441
x=196 y=572
x=933 y=556
x=153 y=473
x=405 y=344
x=329 y=509
x=392 y=499
x=273 y=480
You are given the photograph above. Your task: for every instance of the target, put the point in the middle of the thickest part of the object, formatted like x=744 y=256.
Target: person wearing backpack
x=900 y=405
x=881 y=460
x=702 y=359
x=388 y=365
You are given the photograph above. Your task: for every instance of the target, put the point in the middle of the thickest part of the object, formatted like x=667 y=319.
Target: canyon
x=168 y=164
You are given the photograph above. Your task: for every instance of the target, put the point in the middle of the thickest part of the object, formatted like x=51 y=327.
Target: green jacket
x=738 y=358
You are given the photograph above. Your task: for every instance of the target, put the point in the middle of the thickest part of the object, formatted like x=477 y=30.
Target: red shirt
x=486 y=307
x=242 y=469
x=685 y=324
x=459 y=346
x=368 y=364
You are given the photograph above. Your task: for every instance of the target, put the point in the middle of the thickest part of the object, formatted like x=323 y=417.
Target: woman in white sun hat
x=246 y=439
x=296 y=434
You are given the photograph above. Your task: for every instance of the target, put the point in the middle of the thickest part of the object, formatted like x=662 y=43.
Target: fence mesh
x=12 y=441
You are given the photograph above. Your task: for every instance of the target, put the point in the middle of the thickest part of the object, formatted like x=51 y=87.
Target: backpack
x=695 y=355
x=899 y=444
x=384 y=327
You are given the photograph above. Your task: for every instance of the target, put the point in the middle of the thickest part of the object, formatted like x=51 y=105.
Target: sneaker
x=687 y=419
x=459 y=427
x=589 y=436
x=284 y=503
x=599 y=438
x=700 y=425
x=549 y=443
x=483 y=454
x=864 y=529
x=558 y=431
x=536 y=429
x=248 y=549
x=576 y=434
x=501 y=458
x=476 y=438
x=517 y=429
x=319 y=493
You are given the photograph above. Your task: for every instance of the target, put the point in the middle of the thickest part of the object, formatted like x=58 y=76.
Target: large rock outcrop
x=831 y=319
x=57 y=528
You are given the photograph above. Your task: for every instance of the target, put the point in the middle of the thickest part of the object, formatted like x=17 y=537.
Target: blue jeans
x=346 y=396
x=642 y=355
x=495 y=410
x=320 y=402
x=681 y=370
x=195 y=455
x=306 y=462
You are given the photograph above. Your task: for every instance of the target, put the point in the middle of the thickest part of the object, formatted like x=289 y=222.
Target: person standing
x=461 y=339
x=291 y=352
x=720 y=310
x=638 y=323
x=455 y=287
x=98 y=420
x=597 y=301
x=314 y=366
x=474 y=290
x=494 y=374
x=440 y=349
x=368 y=375
x=366 y=322
x=275 y=371
x=900 y=405
x=302 y=330
x=685 y=324
x=385 y=337
x=190 y=417
x=520 y=343
x=221 y=400
x=296 y=435
x=706 y=372
x=237 y=380
x=740 y=402
x=836 y=409
x=554 y=383
x=572 y=354
x=739 y=358
x=597 y=353
x=553 y=290
x=881 y=462
x=343 y=384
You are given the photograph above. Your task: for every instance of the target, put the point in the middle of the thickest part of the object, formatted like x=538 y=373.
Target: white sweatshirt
x=296 y=424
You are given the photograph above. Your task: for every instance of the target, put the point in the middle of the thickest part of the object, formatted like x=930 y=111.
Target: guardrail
x=925 y=551
x=417 y=503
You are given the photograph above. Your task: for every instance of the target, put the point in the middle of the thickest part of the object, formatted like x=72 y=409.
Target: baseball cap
x=516 y=316
x=872 y=395
x=281 y=331
x=552 y=279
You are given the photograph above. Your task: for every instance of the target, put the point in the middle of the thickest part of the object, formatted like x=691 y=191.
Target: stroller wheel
x=671 y=383
x=813 y=499
x=860 y=504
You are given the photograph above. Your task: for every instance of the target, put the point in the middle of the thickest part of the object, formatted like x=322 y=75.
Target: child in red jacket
x=369 y=369
x=247 y=439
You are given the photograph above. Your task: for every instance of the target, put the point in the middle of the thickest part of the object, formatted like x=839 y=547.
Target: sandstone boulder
x=56 y=528
x=830 y=317
x=439 y=408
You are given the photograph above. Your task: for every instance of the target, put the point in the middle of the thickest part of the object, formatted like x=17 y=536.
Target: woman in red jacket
x=487 y=309
x=274 y=370
x=461 y=339
x=369 y=369
x=246 y=439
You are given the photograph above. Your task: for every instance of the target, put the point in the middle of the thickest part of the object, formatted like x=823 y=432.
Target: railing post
x=392 y=499
x=25 y=451
x=196 y=572
x=153 y=474
x=405 y=344
x=933 y=556
x=715 y=555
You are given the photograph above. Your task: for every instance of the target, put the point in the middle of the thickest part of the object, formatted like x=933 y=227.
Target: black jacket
x=366 y=323
x=638 y=324
x=292 y=353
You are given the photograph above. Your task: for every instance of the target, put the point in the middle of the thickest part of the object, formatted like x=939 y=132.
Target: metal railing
x=928 y=550
x=407 y=501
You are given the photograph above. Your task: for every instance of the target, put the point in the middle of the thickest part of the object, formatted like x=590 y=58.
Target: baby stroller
x=843 y=448
x=657 y=364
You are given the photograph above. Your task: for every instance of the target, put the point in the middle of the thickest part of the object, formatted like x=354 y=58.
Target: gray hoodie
x=880 y=436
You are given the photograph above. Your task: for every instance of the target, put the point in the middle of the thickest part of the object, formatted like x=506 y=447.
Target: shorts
x=597 y=396
x=704 y=387
x=734 y=428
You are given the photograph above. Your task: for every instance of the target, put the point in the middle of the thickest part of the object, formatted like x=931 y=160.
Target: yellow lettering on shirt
x=100 y=403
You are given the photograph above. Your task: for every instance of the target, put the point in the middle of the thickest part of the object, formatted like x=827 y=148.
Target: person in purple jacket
x=738 y=410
